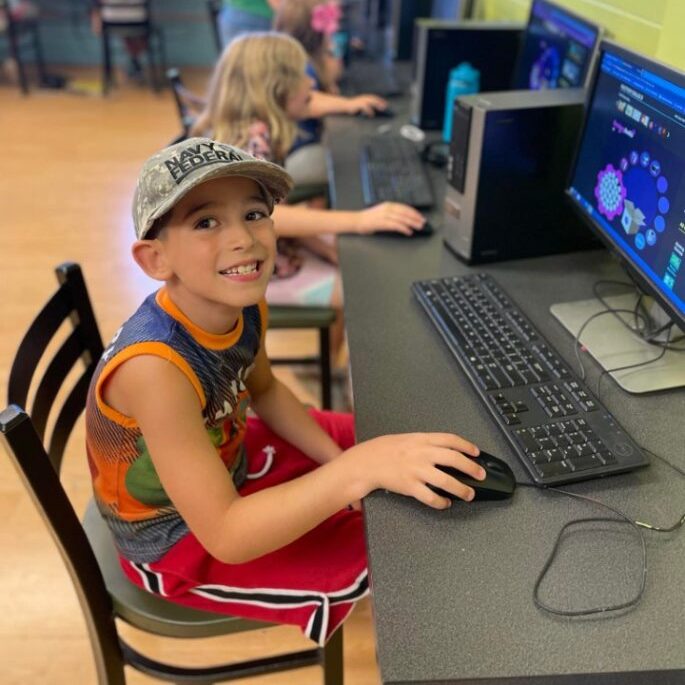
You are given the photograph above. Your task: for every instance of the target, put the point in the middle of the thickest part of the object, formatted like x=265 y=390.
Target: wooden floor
x=69 y=164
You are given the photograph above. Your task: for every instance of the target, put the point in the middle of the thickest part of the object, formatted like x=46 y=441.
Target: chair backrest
x=214 y=9
x=24 y=437
x=124 y=11
x=180 y=97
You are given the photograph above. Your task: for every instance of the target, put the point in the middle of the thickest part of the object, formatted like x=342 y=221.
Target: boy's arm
x=276 y=405
x=236 y=529
x=232 y=528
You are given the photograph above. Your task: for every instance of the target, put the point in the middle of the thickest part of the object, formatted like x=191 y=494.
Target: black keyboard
x=557 y=428
x=371 y=77
x=392 y=170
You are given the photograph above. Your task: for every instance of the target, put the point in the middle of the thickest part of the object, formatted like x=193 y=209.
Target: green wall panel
x=654 y=27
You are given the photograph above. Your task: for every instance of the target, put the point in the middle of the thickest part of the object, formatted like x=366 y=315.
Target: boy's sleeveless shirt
x=127 y=490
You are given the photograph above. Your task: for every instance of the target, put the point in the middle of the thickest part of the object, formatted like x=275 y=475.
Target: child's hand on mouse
x=406 y=464
x=365 y=104
x=390 y=216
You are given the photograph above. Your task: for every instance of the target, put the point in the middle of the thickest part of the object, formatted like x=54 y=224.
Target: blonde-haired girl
x=258 y=92
x=254 y=82
x=313 y=23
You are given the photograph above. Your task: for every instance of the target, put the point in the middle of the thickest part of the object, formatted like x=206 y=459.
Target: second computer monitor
x=557 y=50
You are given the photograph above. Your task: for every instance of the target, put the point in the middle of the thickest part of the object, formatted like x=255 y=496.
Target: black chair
x=214 y=9
x=280 y=316
x=131 y=19
x=87 y=549
x=180 y=93
x=20 y=30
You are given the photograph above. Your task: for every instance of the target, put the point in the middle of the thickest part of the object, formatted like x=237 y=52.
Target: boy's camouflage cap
x=171 y=173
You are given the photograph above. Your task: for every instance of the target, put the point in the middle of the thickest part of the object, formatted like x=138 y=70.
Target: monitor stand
x=613 y=345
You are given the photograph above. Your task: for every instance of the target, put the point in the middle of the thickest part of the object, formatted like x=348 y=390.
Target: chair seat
x=308 y=191
x=144 y=610
x=295 y=316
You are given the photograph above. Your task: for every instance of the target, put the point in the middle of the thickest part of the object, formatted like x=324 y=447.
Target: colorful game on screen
x=630 y=172
x=557 y=49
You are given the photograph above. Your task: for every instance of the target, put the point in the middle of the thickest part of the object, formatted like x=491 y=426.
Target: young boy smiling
x=210 y=508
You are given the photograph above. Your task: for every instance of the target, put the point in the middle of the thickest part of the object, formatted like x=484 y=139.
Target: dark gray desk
x=452 y=591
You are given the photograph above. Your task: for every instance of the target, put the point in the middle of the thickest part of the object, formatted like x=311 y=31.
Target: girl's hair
x=252 y=81
x=294 y=17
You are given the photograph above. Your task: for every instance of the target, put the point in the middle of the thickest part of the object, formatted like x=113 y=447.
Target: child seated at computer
x=314 y=24
x=259 y=90
x=209 y=508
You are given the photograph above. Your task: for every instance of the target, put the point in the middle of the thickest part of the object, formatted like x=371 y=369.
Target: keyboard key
x=526 y=440
x=584 y=463
x=606 y=457
x=553 y=468
x=585 y=450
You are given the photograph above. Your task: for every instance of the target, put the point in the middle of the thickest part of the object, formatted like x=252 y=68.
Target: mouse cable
x=604 y=609
x=638 y=526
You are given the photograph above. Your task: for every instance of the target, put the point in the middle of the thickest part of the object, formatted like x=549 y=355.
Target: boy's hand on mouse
x=406 y=464
x=365 y=104
x=390 y=216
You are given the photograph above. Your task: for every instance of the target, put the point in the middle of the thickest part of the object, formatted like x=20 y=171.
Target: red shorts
x=313 y=582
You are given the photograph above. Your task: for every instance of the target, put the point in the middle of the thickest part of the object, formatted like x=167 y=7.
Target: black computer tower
x=403 y=15
x=509 y=161
x=491 y=47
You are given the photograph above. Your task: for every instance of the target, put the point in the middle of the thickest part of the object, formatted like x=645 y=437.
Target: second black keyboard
x=557 y=428
x=392 y=170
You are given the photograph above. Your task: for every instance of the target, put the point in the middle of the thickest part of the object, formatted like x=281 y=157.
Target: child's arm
x=322 y=104
x=295 y=221
x=276 y=405
x=235 y=529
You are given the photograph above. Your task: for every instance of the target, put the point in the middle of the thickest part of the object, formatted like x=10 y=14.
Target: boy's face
x=219 y=244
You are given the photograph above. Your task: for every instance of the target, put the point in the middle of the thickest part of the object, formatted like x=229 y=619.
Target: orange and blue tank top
x=127 y=489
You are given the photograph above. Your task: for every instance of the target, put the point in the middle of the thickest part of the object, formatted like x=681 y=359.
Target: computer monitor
x=557 y=50
x=628 y=184
x=451 y=9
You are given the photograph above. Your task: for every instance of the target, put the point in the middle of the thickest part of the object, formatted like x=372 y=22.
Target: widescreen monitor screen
x=629 y=174
x=557 y=49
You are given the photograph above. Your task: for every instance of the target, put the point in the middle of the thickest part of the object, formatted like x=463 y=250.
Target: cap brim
x=274 y=179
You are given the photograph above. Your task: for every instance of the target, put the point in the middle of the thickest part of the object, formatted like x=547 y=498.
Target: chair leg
x=162 y=56
x=16 y=56
x=38 y=51
x=152 y=62
x=333 y=673
x=325 y=356
x=106 y=61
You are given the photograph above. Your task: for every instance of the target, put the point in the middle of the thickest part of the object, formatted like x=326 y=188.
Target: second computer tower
x=508 y=168
x=439 y=45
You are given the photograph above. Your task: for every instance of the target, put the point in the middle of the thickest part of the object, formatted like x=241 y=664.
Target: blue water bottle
x=463 y=80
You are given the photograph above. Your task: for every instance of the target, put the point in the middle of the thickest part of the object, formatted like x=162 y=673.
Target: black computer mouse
x=499 y=482
x=386 y=113
x=426 y=230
